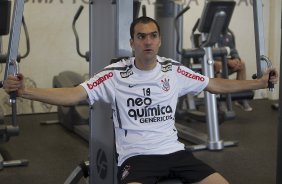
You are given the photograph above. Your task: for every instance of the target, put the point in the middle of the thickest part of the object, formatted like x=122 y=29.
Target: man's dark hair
x=143 y=20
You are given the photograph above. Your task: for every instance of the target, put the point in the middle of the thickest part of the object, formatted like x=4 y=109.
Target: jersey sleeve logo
x=190 y=75
x=100 y=80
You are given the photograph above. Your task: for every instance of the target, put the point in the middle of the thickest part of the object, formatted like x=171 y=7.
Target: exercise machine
x=102 y=150
x=109 y=38
x=213 y=22
x=107 y=41
x=12 y=58
x=76 y=118
x=215 y=19
x=189 y=106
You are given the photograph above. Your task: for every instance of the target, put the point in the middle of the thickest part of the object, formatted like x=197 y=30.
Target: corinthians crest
x=166 y=86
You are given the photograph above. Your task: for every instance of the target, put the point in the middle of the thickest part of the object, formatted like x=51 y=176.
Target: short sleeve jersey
x=144 y=103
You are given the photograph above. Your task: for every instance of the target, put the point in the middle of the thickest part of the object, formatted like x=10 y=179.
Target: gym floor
x=53 y=152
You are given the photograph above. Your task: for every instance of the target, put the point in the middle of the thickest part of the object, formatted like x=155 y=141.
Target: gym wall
x=53 y=43
x=52 y=47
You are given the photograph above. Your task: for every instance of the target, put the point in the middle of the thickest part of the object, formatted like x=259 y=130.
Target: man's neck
x=145 y=64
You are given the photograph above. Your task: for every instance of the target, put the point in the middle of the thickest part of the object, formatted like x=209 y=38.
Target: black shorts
x=148 y=169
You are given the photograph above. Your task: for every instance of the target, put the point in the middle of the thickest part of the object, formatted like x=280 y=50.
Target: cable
x=27 y=40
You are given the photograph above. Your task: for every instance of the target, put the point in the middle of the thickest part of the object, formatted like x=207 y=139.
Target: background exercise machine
x=192 y=108
x=214 y=20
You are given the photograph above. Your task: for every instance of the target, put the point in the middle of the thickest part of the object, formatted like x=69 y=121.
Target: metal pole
x=259 y=36
x=262 y=63
x=11 y=62
x=279 y=141
x=14 y=37
x=102 y=49
x=165 y=13
x=214 y=142
x=109 y=38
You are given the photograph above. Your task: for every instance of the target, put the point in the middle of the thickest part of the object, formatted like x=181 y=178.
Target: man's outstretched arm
x=219 y=85
x=54 y=96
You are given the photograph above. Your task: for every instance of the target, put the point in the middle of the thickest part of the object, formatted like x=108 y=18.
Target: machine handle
x=265 y=59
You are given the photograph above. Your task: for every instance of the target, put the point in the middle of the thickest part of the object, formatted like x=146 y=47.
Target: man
x=143 y=92
x=234 y=63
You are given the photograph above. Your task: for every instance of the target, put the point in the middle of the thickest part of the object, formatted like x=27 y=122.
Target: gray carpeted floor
x=253 y=161
x=53 y=152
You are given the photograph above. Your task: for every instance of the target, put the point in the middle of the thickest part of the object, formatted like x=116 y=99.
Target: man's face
x=146 y=41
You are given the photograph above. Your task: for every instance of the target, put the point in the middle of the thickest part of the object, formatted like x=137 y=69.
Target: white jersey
x=144 y=103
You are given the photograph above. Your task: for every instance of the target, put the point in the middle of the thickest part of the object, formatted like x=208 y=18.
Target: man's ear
x=131 y=43
x=160 y=41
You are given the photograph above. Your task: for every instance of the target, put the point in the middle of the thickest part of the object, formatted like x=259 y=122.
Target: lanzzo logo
x=190 y=75
x=100 y=80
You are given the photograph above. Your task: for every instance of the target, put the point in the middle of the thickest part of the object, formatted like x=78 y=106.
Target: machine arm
x=11 y=62
x=263 y=61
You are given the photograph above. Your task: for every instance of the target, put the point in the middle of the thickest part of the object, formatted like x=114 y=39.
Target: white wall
x=53 y=44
